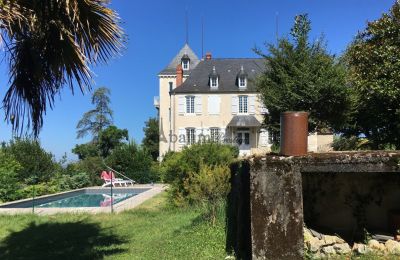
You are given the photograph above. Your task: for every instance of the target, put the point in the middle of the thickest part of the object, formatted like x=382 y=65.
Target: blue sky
x=156 y=31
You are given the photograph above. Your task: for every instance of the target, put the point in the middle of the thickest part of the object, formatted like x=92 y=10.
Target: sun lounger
x=109 y=178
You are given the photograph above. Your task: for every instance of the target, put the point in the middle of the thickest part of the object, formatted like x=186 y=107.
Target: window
x=246 y=138
x=242 y=82
x=242 y=104
x=243 y=138
x=214 y=82
x=213 y=76
x=190 y=104
x=214 y=134
x=190 y=136
x=185 y=64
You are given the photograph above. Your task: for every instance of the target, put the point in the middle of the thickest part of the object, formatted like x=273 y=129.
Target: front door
x=243 y=141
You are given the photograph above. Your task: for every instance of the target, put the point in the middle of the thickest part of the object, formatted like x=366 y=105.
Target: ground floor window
x=190 y=136
x=243 y=138
x=214 y=134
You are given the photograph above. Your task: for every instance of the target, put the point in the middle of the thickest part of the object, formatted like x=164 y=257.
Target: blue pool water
x=87 y=200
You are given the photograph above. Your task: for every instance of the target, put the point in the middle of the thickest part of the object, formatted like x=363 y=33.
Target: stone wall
x=276 y=210
x=346 y=203
x=276 y=195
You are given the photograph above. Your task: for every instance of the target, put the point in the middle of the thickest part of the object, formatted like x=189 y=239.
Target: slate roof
x=185 y=51
x=244 y=121
x=228 y=70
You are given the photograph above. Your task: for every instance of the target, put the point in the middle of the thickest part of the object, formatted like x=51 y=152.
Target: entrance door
x=243 y=141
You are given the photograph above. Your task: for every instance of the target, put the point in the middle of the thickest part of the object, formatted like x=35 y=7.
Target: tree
x=98 y=119
x=133 y=161
x=374 y=73
x=151 y=137
x=86 y=150
x=52 y=44
x=37 y=165
x=303 y=76
x=111 y=138
x=9 y=169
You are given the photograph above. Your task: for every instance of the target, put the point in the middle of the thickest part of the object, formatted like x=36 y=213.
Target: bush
x=9 y=185
x=37 y=165
x=351 y=143
x=179 y=168
x=134 y=162
x=209 y=188
x=74 y=181
x=92 y=166
x=37 y=190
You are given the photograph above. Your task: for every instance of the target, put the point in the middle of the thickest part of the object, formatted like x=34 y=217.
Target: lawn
x=151 y=231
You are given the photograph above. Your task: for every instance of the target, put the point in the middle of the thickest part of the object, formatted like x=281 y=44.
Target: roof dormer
x=242 y=78
x=214 y=79
x=185 y=62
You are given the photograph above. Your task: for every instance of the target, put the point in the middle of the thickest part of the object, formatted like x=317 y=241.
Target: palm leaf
x=52 y=44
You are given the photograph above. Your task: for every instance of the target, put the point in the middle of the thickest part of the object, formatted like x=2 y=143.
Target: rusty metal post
x=294 y=133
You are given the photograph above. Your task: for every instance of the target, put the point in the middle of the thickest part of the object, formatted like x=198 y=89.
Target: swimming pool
x=87 y=200
x=90 y=200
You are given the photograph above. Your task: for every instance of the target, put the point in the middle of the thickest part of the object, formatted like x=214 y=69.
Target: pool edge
x=129 y=203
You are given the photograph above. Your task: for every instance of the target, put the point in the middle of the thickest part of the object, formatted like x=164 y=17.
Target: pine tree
x=303 y=76
x=98 y=119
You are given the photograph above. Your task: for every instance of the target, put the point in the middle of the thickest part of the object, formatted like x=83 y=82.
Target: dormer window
x=214 y=78
x=242 y=78
x=242 y=82
x=185 y=62
x=214 y=82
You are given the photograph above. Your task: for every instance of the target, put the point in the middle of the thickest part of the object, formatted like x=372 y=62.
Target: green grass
x=151 y=231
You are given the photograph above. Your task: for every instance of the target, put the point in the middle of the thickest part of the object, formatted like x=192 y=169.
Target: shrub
x=134 y=162
x=178 y=168
x=351 y=143
x=209 y=187
x=9 y=185
x=92 y=166
x=37 y=190
x=74 y=181
x=37 y=165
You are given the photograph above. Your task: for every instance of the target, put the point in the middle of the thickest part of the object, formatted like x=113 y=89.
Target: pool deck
x=130 y=203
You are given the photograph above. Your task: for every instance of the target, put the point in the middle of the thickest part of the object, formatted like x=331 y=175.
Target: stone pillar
x=276 y=209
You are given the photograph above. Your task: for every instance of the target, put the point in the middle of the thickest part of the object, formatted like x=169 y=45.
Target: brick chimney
x=208 y=56
x=179 y=75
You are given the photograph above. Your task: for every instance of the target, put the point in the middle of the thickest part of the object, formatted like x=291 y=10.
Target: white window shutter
x=197 y=101
x=252 y=104
x=263 y=137
x=217 y=105
x=207 y=134
x=214 y=104
x=235 y=104
x=182 y=135
x=199 y=135
x=222 y=133
x=181 y=105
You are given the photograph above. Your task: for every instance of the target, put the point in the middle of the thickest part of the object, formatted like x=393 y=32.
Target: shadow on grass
x=76 y=240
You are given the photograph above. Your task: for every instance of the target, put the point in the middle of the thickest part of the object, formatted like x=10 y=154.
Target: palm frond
x=51 y=45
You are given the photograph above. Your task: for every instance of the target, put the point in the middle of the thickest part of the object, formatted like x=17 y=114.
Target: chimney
x=179 y=75
x=208 y=56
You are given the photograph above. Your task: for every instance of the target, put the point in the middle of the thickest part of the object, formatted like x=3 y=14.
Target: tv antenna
x=202 y=36
x=187 y=26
